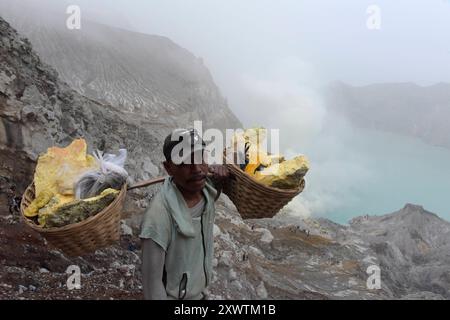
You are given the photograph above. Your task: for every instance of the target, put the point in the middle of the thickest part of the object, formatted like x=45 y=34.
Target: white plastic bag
x=110 y=175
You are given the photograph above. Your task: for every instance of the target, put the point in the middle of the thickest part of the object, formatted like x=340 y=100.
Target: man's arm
x=153 y=259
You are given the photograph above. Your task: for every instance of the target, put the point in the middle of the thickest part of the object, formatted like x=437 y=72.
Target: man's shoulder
x=157 y=210
x=156 y=219
x=157 y=222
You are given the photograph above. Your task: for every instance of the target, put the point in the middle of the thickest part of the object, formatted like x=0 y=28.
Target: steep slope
x=143 y=74
x=414 y=245
x=404 y=108
x=38 y=111
x=287 y=258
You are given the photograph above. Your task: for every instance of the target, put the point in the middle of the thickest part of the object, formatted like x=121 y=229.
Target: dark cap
x=187 y=141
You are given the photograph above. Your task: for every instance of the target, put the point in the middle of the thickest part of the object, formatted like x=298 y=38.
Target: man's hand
x=220 y=172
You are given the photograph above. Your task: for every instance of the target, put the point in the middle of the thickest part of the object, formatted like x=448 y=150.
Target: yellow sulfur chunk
x=56 y=173
x=59 y=168
x=253 y=136
x=41 y=200
x=269 y=169
x=55 y=202
x=102 y=194
x=284 y=175
x=253 y=139
x=258 y=157
x=78 y=210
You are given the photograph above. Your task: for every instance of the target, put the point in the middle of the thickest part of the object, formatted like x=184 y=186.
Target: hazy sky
x=244 y=36
x=304 y=43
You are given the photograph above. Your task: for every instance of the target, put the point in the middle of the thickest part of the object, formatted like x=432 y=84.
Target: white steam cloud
x=286 y=97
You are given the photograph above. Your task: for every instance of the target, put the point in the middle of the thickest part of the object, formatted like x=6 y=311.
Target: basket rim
x=267 y=188
x=71 y=226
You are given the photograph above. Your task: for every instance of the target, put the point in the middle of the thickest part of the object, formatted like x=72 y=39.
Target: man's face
x=190 y=177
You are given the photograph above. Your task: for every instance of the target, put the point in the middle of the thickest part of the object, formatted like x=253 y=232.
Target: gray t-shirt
x=197 y=210
x=154 y=255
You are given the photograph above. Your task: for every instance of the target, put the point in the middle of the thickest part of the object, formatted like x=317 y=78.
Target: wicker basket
x=83 y=237
x=253 y=199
